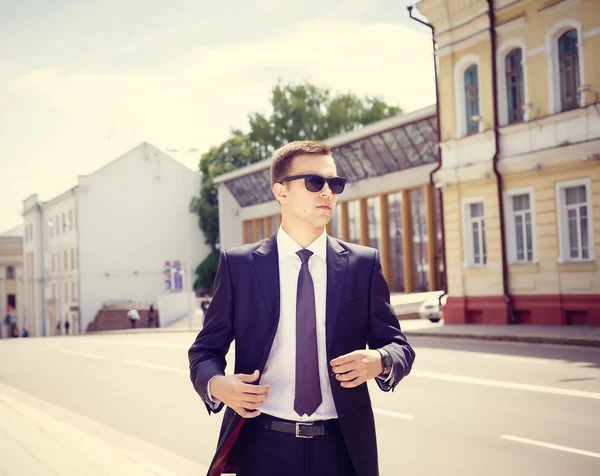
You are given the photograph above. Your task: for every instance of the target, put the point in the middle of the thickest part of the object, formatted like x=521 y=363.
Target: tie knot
x=304 y=255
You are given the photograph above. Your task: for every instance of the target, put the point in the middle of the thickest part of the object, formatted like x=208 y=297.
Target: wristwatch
x=386 y=361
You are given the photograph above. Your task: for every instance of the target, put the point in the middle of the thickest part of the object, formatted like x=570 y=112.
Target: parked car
x=432 y=310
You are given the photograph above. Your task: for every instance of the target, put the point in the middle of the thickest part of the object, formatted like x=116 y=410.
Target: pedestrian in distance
x=67 y=326
x=134 y=316
x=302 y=308
x=151 y=316
x=204 y=304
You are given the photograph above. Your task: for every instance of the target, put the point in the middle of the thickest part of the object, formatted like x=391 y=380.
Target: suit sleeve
x=207 y=354
x=384 y=329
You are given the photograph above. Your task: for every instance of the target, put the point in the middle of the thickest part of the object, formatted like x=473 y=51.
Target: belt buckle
x=299 y=426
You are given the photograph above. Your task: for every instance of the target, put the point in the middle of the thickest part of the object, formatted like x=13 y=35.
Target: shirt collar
x=287 y=246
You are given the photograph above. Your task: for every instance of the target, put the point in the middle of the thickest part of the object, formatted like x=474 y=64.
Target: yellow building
x=519 y=87
x=11 y=280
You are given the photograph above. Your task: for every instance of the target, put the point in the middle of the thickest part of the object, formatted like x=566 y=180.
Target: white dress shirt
x=280 y=369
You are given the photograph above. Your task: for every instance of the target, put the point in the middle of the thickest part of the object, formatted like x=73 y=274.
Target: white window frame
x=467 y=233
x=552 y=36
x=459 y=92
x=503 y=51
x=563 y=223
x=511 y=238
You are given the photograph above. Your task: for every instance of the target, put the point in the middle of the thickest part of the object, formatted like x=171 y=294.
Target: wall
x=175 y=306
x=548 y=276
x=133 y=216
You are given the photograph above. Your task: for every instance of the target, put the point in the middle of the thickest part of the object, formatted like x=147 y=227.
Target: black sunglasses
x=315 y=183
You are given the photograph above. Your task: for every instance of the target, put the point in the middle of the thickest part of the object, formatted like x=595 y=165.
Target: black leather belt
x=307 y=429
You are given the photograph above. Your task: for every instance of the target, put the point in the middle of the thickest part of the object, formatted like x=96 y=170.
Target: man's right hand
x=236 y=392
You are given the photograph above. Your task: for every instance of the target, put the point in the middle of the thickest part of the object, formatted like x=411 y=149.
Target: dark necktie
x=308 y=386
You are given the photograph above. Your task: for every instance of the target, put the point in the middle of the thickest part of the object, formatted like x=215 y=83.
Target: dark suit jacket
x=245 y=307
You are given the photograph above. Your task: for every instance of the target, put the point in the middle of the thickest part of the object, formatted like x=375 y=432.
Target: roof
x=16 y=231
x=390 y=145
x=64 y=194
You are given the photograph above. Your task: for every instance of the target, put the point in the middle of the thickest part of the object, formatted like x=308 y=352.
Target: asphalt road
x=468 y=408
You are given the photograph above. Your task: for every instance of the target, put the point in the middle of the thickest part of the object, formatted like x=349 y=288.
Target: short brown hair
x=282 y=157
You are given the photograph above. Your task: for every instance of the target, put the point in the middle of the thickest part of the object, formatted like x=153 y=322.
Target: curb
x=574 y=341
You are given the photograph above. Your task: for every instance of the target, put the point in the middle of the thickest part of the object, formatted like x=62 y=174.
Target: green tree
x=298 y=111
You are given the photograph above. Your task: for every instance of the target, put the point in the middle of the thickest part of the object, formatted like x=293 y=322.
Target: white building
x=107 y=239
x=11 y=277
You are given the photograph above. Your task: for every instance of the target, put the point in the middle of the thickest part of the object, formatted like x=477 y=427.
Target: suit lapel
x=266 y=265
x=337 y=263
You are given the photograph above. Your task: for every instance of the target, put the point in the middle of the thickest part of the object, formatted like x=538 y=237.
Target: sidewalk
x=563 y=335
x=34 y=442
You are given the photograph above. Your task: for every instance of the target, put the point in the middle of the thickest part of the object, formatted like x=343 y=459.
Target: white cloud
x=193 y=102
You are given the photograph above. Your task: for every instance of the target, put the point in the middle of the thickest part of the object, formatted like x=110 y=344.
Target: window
x=334 y=224
x=474 y=232
x=70 y=220
x=575 y=220
x=520 y=228
x=53 y=291
x=419 y=229
x=72 y=258
x=57 y=225
x=51 y=228
x=66 y=264
x=66 y=292
x=354 y=221
x=466 y=94
x=53 y=263
x=568 y=64
x=396 y=242
x=74 y=291
x=514 y=85
x=10 y=272
x=472 y=98
x=64 y=222
x=374 y=213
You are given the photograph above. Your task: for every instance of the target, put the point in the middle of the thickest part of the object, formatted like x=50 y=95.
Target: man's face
x=314 y=208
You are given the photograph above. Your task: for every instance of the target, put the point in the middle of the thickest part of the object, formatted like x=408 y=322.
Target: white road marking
x=394 y=414
x=153 y=366
x=514 y=358
x=504 y=384
x=82 y=354
x=143 y=343
x=551 y=446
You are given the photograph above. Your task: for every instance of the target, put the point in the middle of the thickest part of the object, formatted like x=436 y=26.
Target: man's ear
x=280 y=192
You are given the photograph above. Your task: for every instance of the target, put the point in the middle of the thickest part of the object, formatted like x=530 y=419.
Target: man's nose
x=326 y=191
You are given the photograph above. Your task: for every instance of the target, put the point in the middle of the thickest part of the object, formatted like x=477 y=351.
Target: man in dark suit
x=302 y=307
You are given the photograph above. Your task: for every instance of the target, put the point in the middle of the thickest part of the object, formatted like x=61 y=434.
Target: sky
x=82 y=82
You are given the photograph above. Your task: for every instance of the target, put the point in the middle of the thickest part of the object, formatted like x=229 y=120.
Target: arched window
x=472 y=98
x=514 y=85
x=568 y=64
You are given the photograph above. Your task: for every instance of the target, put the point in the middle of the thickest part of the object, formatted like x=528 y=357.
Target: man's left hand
x=357 y=367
